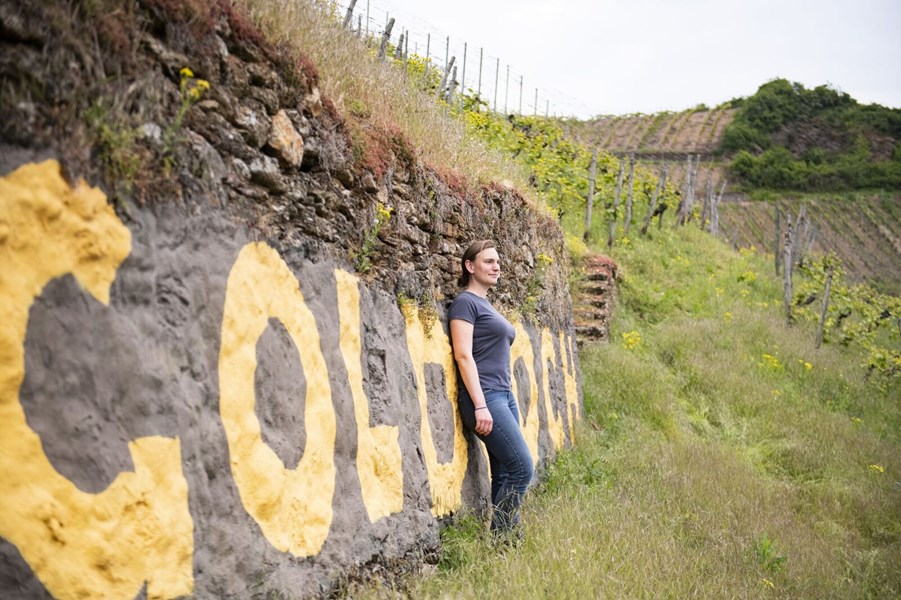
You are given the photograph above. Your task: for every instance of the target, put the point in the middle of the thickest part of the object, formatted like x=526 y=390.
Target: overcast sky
x=591 y=57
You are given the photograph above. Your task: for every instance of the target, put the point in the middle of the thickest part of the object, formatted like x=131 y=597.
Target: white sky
x=622 y=56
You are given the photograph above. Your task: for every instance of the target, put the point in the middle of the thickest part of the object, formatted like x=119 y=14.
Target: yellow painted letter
x=293 y=507
x=80 y=545
x=445 y=480
x=379 y=463
x=522 y=348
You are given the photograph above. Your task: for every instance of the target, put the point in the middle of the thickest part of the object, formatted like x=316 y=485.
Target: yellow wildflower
x=877 y=468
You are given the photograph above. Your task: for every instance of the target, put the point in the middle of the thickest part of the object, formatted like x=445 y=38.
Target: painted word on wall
x=140 y=528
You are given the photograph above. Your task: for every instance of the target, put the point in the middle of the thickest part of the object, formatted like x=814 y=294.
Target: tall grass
x=704 y=468
x=386 y=97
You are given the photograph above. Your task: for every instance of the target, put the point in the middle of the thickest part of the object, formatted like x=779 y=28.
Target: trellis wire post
x=479 y=91
x=776 y=251
x=359 y=25
x=535 y=105
x=444 y=78
x=350 y=13
x=367 y=19
x=619 y=189
x=825 y=306
x=715 y=210
x=452 y=87
x=520 y=94
x=787 y=270
x=547 y=107
x=592 y=173
x=628 y=217
x=463 y=77
x=384 y=46
x=506 y=89
x=447 y=53
x=425 y=68
x=652 y=207
x=399 y=51
x=497 y=76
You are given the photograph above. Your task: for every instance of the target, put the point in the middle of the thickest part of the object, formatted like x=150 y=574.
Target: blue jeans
x=508 y=455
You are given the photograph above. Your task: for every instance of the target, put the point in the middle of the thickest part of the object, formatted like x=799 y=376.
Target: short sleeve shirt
x=492 y=336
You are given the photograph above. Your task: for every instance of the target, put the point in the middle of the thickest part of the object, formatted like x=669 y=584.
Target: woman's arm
x=461 y=336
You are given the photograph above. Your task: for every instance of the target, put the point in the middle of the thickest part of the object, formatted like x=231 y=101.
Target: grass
x=704 y=469
x=357 y=83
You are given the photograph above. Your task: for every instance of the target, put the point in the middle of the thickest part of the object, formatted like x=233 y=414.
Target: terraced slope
x=864 y=232
x=690 y=131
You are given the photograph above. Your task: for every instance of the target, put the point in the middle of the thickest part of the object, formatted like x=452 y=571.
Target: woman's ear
x=469 y=267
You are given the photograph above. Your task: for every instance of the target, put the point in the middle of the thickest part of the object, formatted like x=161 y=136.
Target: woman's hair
x=470 y=254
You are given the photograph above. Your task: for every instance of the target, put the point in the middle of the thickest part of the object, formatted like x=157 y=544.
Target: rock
x=264 y=171
x=254 y=125
x=368 y=182
x=345 y=176
x=285 y=141
x=207 y=163
x=239 y=171
x=175 y=61
x=313 y=102
x=152 y=133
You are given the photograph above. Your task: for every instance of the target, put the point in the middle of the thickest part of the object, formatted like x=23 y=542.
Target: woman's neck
x=479 y=290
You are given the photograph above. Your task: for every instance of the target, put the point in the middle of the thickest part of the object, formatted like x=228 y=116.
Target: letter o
x=293 y=507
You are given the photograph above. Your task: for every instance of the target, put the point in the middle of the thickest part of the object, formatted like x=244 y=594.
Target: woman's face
x=486 y=267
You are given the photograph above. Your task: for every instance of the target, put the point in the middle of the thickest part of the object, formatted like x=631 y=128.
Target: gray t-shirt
x=492 y=336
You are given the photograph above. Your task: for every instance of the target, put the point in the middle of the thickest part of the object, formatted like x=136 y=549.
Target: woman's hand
x=484 y=420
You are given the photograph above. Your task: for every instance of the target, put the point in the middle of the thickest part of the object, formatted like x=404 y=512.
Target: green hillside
x=786 y=137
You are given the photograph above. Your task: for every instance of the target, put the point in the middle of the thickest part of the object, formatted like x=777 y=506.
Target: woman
x=481 y=339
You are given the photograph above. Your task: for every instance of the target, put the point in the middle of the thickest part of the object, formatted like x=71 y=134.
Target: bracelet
x=481 y=407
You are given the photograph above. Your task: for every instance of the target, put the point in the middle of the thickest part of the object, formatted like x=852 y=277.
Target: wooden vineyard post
x=715 y=211
x=661 y=186
x=383 y=48
x=444 y=78
x=399 y=51
x=350 y=13
x=628 y=217
x=708 y=202
x=787 y=273
x=825 y=306
x=680 y=211
x=592 y=174
x=777 y=254
x=452 y=87
x=796 y=236
x=619 y=188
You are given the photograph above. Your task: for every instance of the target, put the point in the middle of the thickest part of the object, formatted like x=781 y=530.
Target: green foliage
x=856 y=315
x=364 y=257
x=768 y=554
x=191 y=91
x=457 y=540
x=828 y=132
x=117 y=141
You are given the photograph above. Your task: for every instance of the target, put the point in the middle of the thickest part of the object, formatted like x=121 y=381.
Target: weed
x=768 y=556
x=118 y=143
x=364 y=260
x=191 y=91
